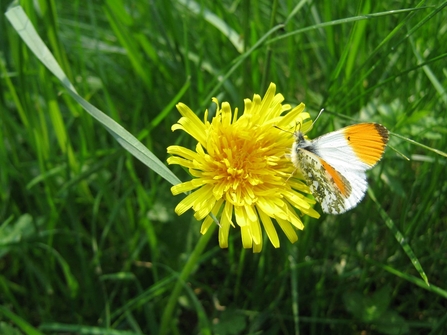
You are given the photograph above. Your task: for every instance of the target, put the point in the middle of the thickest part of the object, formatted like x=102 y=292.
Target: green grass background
x=89 y=241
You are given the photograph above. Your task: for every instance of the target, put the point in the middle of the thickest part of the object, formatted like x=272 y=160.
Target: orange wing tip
x=368 y=141
x=383 y=132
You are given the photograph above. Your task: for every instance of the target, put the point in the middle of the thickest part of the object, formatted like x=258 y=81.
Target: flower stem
x=166 y=318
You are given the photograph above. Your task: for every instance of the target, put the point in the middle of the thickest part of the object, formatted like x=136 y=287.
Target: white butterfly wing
x=337 y=190
x=355 y=148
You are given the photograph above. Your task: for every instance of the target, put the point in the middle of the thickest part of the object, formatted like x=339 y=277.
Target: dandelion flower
x=242 y=173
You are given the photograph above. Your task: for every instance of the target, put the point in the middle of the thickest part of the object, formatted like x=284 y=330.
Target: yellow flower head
x=241 y=166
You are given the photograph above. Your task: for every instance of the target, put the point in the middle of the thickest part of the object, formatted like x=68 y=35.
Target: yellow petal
x=182 y=152
x=269 y=228
x=311 y=212
x=226 y=114
x=293 y=218
x=191 y=123
x=180 y=161
x=288 y=230
x=257 y=248
x=193 y=199
x=187 y=186
x=228 y=212
x=294 y=117
x=296 y=199
x=247 y=240
x=204 y=207
x=251 y=213
x=224 y=231
x=209 y=220
x=206 y=225
x=256 y=233
x=185 y=204
x=241 y=218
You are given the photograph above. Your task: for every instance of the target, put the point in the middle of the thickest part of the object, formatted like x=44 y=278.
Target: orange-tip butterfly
x=334 y=164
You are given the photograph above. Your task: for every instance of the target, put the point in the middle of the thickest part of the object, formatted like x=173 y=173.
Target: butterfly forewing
x=357 y=147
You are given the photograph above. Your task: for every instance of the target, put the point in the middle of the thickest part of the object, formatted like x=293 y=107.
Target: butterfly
x=334 y=164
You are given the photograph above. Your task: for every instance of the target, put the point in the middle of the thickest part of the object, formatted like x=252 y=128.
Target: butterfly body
x=334 y=164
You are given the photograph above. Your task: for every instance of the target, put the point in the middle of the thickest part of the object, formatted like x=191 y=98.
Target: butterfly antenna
x=287 y=131
x=321 y=112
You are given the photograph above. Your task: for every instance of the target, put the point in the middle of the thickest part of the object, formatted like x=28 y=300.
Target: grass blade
x=23 y=26
x=436 y=151
x=341 y=21
x=83 y=330
x=400 y=238
x=25 y=326
x=217 y=22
